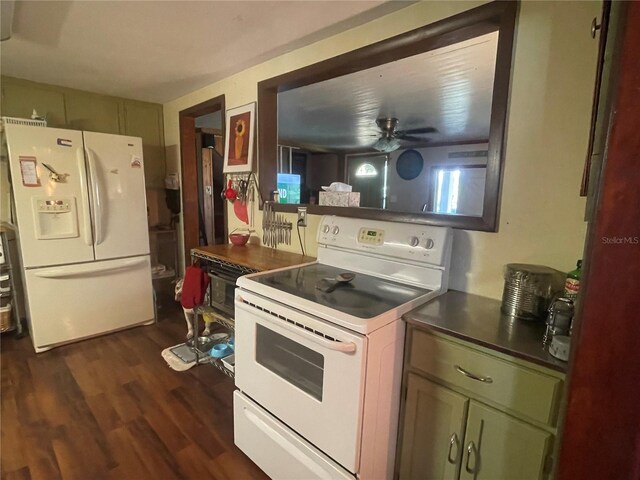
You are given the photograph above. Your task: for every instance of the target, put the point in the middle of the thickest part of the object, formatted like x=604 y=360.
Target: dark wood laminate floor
x=110 y=408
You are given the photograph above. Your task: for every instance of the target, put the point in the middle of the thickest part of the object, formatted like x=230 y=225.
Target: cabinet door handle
x=466 y=373
x=453 y=441
x=471 y=450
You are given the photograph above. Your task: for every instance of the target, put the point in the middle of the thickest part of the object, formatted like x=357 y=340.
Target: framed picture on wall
x=238 y=144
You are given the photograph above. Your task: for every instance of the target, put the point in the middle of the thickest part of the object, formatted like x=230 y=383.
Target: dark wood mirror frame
x=487 y=18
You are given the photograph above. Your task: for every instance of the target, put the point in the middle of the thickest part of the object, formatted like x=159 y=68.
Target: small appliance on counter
x=528 y=290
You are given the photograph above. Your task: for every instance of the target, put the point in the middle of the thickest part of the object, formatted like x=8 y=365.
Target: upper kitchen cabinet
x=145 y=120
x=47 y=102
x=93 y=113
x=79 y=110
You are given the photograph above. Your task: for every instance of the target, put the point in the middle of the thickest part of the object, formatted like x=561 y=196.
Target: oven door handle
x=337 y=345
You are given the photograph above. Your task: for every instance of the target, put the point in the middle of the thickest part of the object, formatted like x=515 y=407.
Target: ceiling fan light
x=387 y=145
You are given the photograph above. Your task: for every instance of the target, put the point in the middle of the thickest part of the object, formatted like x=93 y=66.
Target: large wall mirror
x=414 y=124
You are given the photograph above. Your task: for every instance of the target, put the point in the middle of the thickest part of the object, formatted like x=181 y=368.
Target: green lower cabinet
x=433 y=432
x=500 y=447
x=447 y=436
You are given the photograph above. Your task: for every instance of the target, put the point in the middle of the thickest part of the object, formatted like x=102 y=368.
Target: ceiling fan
x=390 y=138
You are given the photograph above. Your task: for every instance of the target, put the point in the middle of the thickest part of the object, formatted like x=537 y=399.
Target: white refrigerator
x=80 y=206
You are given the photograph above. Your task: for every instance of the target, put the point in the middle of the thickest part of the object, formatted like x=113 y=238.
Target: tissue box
x=340 y=199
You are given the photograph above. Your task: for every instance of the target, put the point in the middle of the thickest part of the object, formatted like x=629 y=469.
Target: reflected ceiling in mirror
x=409 y=136
x=447 y=89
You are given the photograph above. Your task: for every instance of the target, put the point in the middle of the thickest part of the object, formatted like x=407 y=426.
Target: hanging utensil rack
x=276 y=229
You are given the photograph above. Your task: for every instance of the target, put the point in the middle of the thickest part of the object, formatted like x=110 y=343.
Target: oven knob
x=335 y=230
x=325 y=229
x=430 y=243
x=414 y=241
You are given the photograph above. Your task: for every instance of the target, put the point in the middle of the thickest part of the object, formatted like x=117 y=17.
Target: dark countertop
x=478 y=320
x=256 y=257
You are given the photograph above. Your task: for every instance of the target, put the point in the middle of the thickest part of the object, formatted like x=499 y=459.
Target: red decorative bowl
x=239 y=239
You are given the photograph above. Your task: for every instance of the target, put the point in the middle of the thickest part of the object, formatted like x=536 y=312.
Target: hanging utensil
x=229 y=193
x=265 y=212
x=252 y=197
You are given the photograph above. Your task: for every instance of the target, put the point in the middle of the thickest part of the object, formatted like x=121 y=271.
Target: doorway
x=202 y=129
x=367 y=174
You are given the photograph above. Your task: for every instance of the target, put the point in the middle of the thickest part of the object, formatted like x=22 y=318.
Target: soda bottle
x=572 y=283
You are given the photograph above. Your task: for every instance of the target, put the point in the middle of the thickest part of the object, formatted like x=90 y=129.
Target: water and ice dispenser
x=55 y=217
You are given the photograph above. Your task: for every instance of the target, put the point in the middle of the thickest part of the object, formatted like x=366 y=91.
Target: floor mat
x=179 y=357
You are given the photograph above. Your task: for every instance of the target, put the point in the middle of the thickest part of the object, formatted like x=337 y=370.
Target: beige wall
x=548 y=124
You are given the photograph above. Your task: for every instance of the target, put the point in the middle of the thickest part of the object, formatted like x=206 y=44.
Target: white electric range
x=319 y=372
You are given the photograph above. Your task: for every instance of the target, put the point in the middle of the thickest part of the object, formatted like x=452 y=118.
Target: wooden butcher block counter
x=254 y=257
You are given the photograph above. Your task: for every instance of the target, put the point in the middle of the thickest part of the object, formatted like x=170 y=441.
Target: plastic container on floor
x=6 y=320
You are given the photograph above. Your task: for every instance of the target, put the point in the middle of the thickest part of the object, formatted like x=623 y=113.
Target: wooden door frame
x=188 y=165
x=600 y=436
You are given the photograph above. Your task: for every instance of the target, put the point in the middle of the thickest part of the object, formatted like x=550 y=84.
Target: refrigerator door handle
x=86 y=216
x=97 y=197
x=90 y=269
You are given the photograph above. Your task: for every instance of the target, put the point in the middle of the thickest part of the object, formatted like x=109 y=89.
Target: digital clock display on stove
x=371 y=237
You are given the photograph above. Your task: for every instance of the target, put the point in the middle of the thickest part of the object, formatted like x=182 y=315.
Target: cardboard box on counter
x=340 y=199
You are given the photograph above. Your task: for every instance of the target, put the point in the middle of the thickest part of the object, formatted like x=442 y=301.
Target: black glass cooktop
x=365 y=296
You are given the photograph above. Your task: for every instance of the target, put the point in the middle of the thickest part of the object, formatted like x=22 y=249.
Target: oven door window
x=291 y=361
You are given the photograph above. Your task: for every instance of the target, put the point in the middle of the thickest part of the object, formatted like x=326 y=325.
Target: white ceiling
x=450 y=88
x=159 y=50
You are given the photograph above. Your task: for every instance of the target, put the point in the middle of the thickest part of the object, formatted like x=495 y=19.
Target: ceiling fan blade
x=419 y=130
x=413 y=138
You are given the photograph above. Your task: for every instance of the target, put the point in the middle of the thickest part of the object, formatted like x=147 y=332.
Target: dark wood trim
x=189 y=176
x=602 y=44
x=478 y=21
x=601 y=430
x=204 y=108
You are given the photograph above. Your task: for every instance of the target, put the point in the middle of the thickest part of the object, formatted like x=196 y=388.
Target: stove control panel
x=371 y=236
x=415 y=243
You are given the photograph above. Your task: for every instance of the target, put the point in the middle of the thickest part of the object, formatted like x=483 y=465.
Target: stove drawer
x=276 y=449
x=512 y=386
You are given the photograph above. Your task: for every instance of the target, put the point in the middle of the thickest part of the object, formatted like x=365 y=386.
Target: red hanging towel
x=194 y=287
